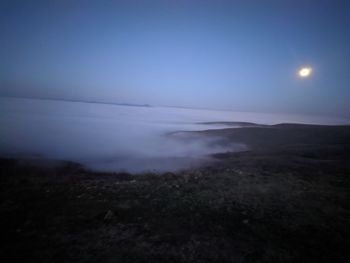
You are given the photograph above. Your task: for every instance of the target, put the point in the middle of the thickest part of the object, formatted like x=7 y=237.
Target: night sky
x=238 y=55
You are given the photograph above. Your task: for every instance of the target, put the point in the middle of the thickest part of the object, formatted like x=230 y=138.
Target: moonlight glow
x=305 y=72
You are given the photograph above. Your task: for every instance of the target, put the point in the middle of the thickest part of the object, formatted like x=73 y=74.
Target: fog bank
x=114 y=138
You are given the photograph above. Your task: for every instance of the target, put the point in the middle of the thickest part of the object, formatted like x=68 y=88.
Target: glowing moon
x=305 y=72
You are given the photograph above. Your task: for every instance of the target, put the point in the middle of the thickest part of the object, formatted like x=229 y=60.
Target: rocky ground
x=287 y=199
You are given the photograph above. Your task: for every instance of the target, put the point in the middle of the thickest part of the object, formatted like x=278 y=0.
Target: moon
x=305 y=72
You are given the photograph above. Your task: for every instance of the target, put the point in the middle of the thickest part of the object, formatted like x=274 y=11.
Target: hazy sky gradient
x=239 y=55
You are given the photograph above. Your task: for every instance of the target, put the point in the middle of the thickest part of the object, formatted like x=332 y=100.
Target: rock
x=245 y=221
x=108 y=216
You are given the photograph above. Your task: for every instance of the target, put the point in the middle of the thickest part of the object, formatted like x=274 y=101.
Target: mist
x=110 y=137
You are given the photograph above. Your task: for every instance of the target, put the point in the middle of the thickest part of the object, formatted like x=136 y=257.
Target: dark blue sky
x=239 y=55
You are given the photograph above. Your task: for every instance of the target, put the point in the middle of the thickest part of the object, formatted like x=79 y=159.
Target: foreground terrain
x=286 y=199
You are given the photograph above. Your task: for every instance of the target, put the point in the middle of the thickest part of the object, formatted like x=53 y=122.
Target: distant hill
x=83 y=101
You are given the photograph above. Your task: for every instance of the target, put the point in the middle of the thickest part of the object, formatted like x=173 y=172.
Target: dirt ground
x=287 y=199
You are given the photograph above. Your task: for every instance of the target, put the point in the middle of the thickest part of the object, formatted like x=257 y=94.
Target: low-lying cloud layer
x=114 y=138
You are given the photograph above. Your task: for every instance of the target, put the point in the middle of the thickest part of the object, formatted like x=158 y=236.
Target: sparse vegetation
x=258 y=206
